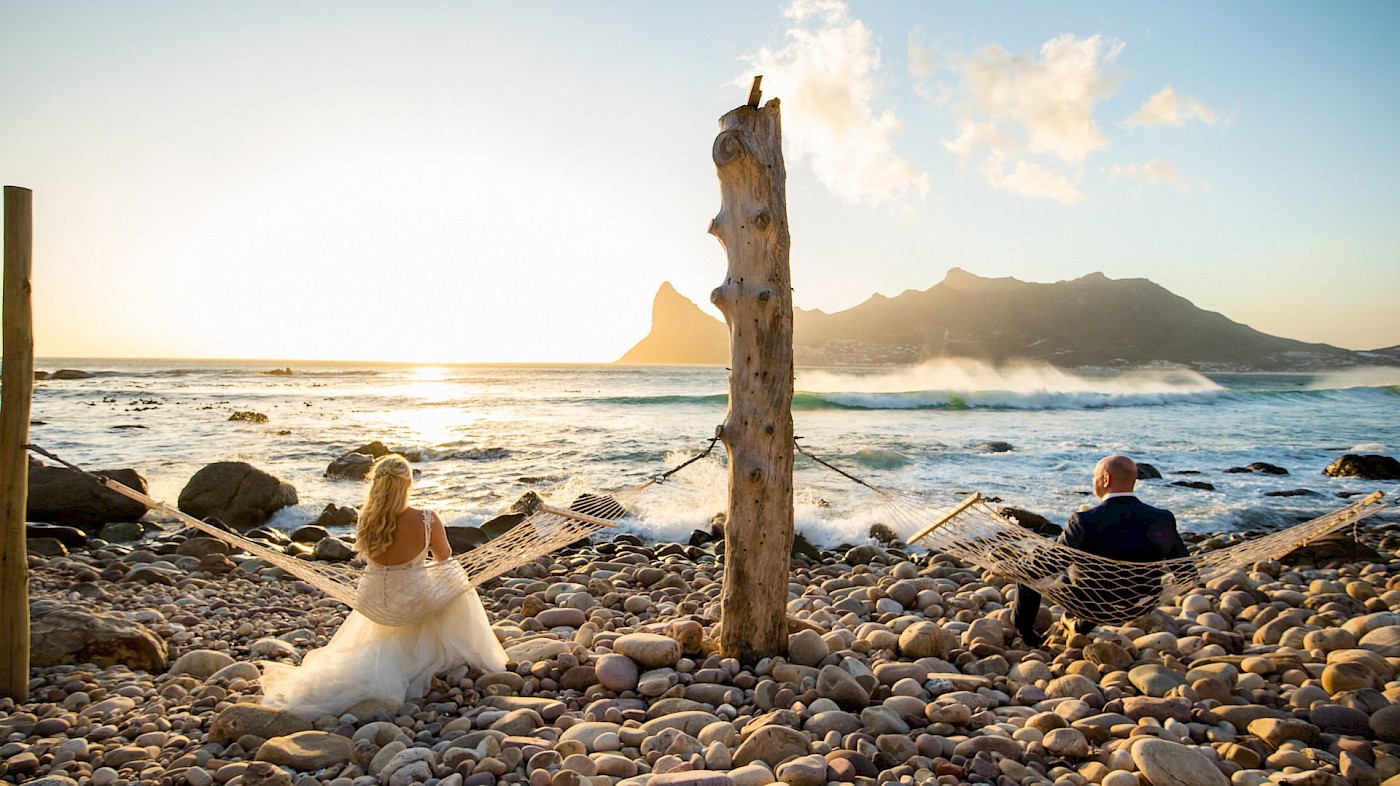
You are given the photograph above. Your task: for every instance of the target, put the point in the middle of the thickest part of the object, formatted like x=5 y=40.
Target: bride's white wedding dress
x=366 y=660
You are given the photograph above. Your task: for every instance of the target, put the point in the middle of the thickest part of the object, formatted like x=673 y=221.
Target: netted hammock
x=1090 y=587
x=407 y=594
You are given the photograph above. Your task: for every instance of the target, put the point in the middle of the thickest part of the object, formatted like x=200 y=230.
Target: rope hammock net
x=1089 y=587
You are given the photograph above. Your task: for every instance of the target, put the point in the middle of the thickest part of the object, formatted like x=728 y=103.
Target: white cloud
x=1028 y=121
x=1168 y=108
x=1156 y=173
x=829 y=76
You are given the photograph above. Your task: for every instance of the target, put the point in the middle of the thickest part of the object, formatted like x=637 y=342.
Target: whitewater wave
x=1352 y=378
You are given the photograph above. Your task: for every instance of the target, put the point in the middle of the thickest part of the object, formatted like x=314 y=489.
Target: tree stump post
x=16 y=393
x=756 y=300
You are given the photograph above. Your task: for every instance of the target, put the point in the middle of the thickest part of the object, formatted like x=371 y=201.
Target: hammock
x=1098 y=589
x=1090 y=587
x=406 y=594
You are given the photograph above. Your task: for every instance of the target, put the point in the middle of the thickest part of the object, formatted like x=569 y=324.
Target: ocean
x=482 y=436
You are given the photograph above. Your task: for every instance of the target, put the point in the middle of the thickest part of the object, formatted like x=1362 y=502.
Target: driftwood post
x=756 y=300
x=16 y=389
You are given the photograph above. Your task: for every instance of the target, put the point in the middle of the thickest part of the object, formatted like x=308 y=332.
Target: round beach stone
x=807 y=648
x=258 y=720
x=1385 y=723
x=1066 y=742
x=1383 y=640
x=837 y=684
x=307 y=750
x=1170 y=764
x=649 y=650
x=1276 y=731
x=772 y=745
x=1072 y=686
x=926 y=639
x=562 y=618
x=1344 y=676
x=1154 y=679
x=201 y=663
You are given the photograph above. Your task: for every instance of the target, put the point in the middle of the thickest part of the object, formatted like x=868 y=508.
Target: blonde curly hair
x=389 y=481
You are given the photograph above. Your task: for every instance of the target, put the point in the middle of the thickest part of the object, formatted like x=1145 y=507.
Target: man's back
x=1125 y=528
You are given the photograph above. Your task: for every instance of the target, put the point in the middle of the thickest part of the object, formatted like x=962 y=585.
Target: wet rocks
x=237 y=493
x=1364 y=466
x=60 y=495
x=66 y=635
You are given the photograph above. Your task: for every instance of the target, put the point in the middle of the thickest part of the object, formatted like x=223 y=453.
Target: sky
x=501 y=182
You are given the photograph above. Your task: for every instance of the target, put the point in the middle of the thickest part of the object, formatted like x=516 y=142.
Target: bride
x=416 y=617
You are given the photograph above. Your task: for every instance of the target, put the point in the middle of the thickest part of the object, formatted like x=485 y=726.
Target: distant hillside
x=1090 y=321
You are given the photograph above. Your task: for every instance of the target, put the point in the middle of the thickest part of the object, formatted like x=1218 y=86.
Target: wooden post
x=756 y=300
x=16 y=390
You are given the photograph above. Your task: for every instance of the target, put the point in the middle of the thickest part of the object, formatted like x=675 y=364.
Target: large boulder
x=351 y=466
x=60 y=495
x=1366 y=467
x=240 y=494
x=63 y=635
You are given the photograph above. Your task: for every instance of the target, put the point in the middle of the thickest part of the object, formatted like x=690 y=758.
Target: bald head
x=1113 y=475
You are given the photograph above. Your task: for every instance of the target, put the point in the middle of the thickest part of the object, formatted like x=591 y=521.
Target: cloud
x=829 y=77
x=1156 y=173
x=1028 y=121
x=1168 y=108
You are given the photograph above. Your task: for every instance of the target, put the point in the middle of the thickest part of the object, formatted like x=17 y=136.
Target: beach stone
x=1166 y=763
x=1336 y=719
x=807 y=648
x=1139 y=707
x=201 y=663
x=649 y=650
x=822 y=723
x=200 y=547
x=803 y=771
x=306 y=750
x=258 y=720
x=751 y=775
x=689 y=634
x=1384 y=641
x=271 y=649
x=408 y=766
x=1385 y=723
x=926 y=640
x=237 y=493
x=692 y=778
x=562 y=617
x=837 y=684
x=615 y=766
x=351 y=466
x=1154 y=679
x=1328 y=639
x=1276 y=731
x=58 y=495
x=61 y=634
x=990 y=743
x=1107 y=656
x=772 y=745
x=1066 y=742
x=332 y=549
x=1072 y=686
x=617 y=672
x=261 y=773
x=122 y=532
x=536 y=650
x=1345 y=676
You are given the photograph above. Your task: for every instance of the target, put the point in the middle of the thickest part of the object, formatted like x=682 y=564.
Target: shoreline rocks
x=902 y=668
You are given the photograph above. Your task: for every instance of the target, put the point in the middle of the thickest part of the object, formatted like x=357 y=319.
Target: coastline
x=904 y=669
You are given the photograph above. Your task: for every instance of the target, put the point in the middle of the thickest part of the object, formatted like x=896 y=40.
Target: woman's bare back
x=409 y=535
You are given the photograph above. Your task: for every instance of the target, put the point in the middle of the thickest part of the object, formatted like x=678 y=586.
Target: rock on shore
x=902 y=669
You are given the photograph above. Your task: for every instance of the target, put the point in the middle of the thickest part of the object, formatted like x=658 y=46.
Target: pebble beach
x=902 y=668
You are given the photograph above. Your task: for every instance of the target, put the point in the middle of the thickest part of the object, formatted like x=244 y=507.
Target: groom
x=1120 y=527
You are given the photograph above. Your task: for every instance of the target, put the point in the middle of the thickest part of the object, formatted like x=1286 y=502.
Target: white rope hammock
x=1090 y=587
x=379 y=592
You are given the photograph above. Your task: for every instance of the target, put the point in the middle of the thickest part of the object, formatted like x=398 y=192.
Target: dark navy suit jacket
x=1121 y=528
x=1125 y=528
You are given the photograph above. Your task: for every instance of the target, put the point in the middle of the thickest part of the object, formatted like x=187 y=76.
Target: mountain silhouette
x=1089 y=321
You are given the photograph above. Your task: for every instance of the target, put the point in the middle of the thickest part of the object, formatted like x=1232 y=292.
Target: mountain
x=1090 y=321
x=680 y=334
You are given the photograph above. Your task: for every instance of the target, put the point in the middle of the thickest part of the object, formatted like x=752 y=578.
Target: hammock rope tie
x=1088 y=586
x=406 y=594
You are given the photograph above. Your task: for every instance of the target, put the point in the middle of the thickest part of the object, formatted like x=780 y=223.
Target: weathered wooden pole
x=756 y=300
x=16 y=391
